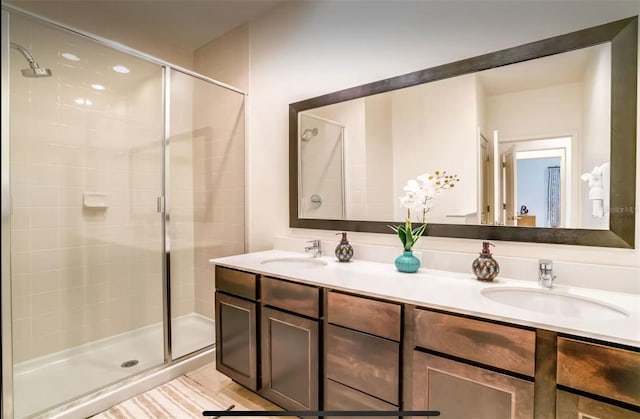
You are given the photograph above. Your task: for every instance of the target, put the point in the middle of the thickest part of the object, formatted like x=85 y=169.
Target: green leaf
x=417 y=232
x=420 y=230
x=402 y=234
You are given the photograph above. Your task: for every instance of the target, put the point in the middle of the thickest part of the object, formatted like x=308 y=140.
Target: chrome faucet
x=315 y=247
x=545 y=273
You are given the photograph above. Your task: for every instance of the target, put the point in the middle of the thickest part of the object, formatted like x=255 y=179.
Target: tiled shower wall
x=219 y=156
x=181 y=192
x=206 y=188
x=81 y=274
x=218 y=175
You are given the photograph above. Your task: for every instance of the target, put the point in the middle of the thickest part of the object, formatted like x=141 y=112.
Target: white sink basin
x=297 y=260
x=554 y=303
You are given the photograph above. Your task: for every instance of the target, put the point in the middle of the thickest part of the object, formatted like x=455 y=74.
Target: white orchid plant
x=418 y=197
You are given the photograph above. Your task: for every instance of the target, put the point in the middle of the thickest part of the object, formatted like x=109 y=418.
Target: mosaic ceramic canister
x=485 y=267
x=344 y=251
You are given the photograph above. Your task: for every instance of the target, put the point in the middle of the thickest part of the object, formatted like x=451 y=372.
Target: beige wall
x=226 y=58
x=380 y=200
x=81 y=274
x=596 y=123
x=547 y=112
x=434 y=128
x=305 y=49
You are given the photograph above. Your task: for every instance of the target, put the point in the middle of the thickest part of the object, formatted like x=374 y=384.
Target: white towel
x=598 y=181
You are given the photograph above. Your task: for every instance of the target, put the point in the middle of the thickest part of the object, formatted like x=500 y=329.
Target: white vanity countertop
x=455 y=292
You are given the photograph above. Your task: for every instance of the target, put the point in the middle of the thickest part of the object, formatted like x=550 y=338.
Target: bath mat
x=179 y=398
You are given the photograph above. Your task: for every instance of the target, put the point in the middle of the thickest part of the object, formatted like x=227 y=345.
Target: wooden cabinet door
x=459 y=390
x=289 y=357
x=236 y=340
x=572 y=406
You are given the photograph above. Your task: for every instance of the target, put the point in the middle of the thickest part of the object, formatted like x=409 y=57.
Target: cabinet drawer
x=364 y=362
x=364 y=314
x=298 y=298
x=341 y=398
x=504 y=347
x=598 y=369
x=242 y=284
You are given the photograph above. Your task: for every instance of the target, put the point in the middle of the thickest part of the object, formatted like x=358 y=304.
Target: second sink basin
x=297 y=260
x=553 y=303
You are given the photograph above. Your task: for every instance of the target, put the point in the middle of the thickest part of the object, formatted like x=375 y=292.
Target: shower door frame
x=6 y=320
x=162 y=205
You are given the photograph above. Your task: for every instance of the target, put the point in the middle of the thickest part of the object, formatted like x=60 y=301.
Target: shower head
x=34 y=69
x=308 y=133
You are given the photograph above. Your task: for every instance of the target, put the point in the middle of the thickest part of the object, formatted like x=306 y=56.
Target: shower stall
x=121 y=176
x=321 y=164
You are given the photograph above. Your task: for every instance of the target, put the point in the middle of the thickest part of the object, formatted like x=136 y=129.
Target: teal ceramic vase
x=407 y=262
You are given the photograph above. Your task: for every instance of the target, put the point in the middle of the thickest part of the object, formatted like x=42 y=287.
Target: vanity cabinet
x=290 y=344
x=469 y=368
x=599 y=370
x=305 y=347
x=236 y=337
x=362 y=350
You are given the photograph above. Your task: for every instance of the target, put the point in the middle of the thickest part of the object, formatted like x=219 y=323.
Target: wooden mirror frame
x=623 y=35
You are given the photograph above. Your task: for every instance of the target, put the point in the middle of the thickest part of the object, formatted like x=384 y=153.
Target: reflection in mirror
x=321 y=154
x=520 y=137
x=543 y=136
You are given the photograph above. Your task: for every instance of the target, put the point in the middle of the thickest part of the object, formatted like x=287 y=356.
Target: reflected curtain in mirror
x=553 y=196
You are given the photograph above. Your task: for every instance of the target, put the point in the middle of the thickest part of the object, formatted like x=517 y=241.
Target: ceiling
x=186 y=24
x=568 y=67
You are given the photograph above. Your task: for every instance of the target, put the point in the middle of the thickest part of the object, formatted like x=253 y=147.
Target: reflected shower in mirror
x=321 y=167
x=519 y=136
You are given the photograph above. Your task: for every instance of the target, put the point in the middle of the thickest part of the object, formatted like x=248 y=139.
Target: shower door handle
x=160 y=204
x=7 y=202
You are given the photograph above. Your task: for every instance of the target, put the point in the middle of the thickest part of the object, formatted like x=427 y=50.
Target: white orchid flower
x=408 y=201
x=425 y=178
x=412 y=186
x=419 y=196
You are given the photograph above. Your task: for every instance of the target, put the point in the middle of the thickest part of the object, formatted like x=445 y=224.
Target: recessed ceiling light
x=83 y=101
x=69 y=56
x=120 y=69
x=97 y=86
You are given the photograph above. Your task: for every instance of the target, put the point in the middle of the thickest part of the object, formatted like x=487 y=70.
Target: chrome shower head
x=35 y=72
x=34 y=69
x=308 y=133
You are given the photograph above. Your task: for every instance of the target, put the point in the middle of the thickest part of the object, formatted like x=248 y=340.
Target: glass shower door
x=86 y=157
x=205 y=201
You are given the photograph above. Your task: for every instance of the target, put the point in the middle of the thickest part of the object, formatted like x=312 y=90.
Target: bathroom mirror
x=542 y=135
